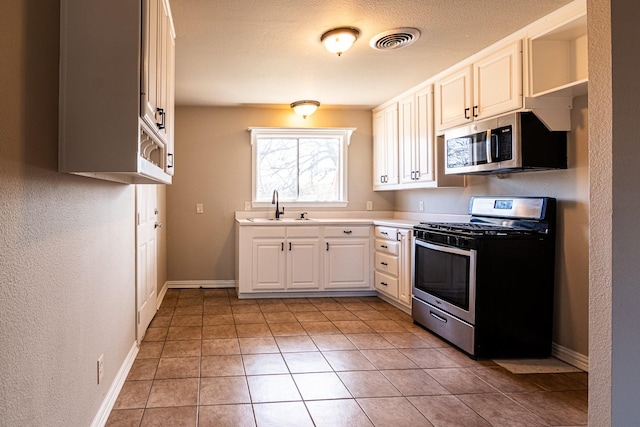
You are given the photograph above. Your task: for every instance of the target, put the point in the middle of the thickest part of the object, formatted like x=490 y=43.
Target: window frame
x=277 y=132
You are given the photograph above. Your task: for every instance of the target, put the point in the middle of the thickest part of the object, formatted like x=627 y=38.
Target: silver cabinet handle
x=435 y=316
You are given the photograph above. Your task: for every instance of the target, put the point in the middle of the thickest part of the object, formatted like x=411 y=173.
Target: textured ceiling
x=240 y=52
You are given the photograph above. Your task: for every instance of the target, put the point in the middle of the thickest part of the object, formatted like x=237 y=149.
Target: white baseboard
x=188 y=284
x=394 y=303
x=571 y=357
x=161 y=295
x=112 y=395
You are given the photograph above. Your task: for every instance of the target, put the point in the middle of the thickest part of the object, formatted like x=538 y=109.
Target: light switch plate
x=369 y=205
x=199 y=208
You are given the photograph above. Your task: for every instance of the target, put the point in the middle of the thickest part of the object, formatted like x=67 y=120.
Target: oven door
x=445 y=277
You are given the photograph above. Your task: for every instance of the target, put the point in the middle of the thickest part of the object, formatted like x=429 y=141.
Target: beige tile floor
x=209 y=359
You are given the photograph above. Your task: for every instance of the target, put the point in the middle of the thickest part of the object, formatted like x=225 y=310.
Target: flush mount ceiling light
x=339 y=40
x=305 y=108
x=395 y=39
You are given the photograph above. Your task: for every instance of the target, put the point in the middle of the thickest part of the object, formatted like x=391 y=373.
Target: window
x=307 y=167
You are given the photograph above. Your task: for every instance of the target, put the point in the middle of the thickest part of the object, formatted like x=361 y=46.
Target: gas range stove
x=494 y=218
x=472 y=229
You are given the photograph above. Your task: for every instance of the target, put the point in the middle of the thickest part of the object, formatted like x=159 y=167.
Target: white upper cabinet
x=403 y=136
x=385 y=147
x=490 y=86
x=117 y=90
x=497 y=82
x=415 y=136
x=454 y=98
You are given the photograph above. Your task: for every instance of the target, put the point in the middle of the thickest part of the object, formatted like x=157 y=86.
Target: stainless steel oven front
x=445 y=277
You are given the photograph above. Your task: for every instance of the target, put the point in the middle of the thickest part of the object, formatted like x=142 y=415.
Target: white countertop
x=388 y=219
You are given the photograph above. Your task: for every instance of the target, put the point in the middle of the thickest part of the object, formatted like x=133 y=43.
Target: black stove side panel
x=514 y=298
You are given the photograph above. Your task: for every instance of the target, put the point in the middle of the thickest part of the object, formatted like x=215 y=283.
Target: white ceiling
x=241 y=52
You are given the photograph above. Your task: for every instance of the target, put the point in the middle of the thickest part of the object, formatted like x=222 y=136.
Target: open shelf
x=558 y=60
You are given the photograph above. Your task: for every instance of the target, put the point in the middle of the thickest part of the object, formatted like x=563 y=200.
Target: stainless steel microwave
x=514 y=142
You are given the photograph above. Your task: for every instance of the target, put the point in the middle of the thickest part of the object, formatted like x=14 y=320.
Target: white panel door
x=268 y=266
x=347 y=263
x=498 y=82
x=303 y=264
x=146 y=256
x=454 y=99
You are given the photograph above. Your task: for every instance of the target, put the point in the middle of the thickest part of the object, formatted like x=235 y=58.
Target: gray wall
x=67 y=250
x=213 y=163
x=614 y=60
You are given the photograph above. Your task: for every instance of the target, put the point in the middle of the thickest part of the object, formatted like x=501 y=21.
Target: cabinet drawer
x=391 y=247
x=386 y=284
x=303 y=231
x=387 y=233
x=387 y=263
x=259 y=231
x=347 y=231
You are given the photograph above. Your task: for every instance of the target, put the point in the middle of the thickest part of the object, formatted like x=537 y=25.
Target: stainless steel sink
x=279 y=219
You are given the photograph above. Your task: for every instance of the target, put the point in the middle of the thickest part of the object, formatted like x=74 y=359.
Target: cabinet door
x=303 y=264
x=168 y=87
x=151 y=45
x=423 y=158
x=454 y=99
x=497 y=82
x=268 y=264
x=406 y=140
x=385 y=147
x=347 y=263
x=404 y=261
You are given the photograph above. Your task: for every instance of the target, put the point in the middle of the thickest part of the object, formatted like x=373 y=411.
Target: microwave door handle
x=488 y=142
x=494 y=139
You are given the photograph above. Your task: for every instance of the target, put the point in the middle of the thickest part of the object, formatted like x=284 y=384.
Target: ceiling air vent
x=395 y=39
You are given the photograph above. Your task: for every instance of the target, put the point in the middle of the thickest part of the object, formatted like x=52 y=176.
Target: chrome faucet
x=274 y=201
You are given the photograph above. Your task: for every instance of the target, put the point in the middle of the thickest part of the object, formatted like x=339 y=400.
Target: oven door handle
x=435 y=316
x=457 y=251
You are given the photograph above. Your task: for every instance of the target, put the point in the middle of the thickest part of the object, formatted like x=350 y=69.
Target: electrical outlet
x=421 y=205
x=100 y=368
x=199 y=208
x=247 y=206
x=369 y=205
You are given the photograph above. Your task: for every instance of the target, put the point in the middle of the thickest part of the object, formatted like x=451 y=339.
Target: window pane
x=277 y=168
x=319 y=169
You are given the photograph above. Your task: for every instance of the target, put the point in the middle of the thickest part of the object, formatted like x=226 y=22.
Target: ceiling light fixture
x=305 y=108
x=339 y=40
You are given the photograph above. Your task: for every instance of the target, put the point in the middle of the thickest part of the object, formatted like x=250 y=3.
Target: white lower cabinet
x=392 y=276
x=347 y=255
x=303 y=258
